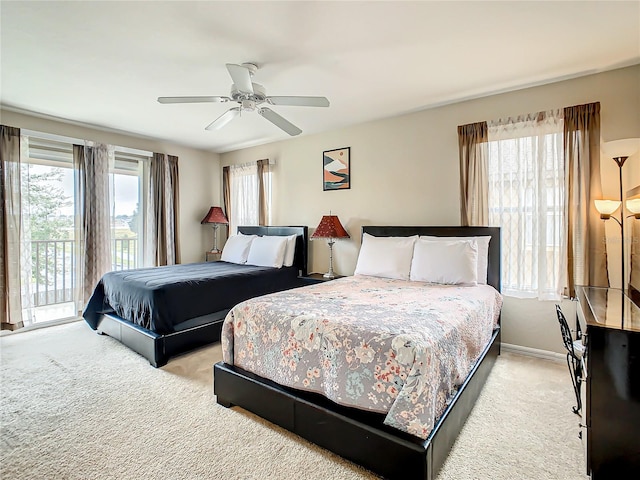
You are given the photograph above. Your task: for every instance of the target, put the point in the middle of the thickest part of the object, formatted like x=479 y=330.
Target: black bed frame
x=357 y=435
x=159 y=348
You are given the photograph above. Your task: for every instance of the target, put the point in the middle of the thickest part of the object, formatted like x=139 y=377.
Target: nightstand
x=313 y=278
x=211 y=256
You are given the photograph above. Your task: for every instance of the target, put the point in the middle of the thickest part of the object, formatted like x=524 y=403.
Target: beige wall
x=199 y=173
x=405 y=171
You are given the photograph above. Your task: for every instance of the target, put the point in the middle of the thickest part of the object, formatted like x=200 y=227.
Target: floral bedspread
x=390 y=346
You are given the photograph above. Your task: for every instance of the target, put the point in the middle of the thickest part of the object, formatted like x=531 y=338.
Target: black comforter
x=159 y=298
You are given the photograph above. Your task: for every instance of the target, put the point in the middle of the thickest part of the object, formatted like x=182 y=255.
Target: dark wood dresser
x=609 y=323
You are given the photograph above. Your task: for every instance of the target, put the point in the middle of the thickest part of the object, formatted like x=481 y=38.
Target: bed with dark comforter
x=162 y=299
x=163 y=311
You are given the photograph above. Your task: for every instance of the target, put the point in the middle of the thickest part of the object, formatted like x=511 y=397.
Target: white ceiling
x=104 y=63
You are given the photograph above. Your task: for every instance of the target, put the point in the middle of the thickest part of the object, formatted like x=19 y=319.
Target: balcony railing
x=124 y=254
x=54 y=267
x=53 y=271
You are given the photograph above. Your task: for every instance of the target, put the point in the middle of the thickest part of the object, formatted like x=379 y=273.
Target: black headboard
x=302 y=242
x=493 y=268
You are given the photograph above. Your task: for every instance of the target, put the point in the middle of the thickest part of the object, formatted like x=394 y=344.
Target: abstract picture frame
x=336 y=169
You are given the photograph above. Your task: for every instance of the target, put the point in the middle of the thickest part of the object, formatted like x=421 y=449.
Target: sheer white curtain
x=527 y=198
x=244 y=196
x=26 y=259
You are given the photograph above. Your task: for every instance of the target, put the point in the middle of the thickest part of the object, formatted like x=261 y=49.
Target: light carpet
x=76 y=405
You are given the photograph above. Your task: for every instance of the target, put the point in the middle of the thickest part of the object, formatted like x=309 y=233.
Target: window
x=245 y=203
x=128 y=210
x=527 y=200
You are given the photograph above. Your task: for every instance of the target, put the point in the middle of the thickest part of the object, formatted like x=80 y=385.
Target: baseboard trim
x=533 y=352
x=39 y=325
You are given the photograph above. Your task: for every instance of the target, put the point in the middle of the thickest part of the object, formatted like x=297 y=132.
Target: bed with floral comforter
x=396 y=347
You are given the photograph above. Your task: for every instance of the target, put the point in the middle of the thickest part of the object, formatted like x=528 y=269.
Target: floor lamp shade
x=214 y=217
x=607 y=207
x=331 y=228
x=633 y=205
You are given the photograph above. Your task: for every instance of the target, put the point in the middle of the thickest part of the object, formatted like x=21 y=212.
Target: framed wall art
x=336 y=169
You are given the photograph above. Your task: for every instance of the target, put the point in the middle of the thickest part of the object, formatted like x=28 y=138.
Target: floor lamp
x=619 y=150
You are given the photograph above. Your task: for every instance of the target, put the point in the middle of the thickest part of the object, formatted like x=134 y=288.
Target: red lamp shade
x=330 y=227
x=215 y=215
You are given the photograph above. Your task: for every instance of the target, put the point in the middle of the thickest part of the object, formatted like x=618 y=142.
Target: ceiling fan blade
x=213 y=99
x=299 y=101
x=224 y=119
x=241 y=77
x=279 y=121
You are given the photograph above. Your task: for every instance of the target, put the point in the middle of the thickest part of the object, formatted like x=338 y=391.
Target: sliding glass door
x=50 y=239
x=48 y=209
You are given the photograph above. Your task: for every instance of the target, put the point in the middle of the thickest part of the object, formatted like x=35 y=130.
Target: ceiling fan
x=249 y=96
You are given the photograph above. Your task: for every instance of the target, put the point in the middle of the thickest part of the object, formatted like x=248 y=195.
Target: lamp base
x=330 y=275
x=215 y=238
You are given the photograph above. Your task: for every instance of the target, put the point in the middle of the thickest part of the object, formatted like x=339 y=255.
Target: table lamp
x=215 y=217
x=331 y=228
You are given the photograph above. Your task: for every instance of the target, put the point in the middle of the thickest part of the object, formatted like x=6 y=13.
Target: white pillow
x=483 y=254
x=388 y=257
x=450 y=262
x=267 y=251
x=290 y=250
x=236 y=248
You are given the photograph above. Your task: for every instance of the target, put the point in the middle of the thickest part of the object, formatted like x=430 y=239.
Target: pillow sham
x=388 y=257
x=451 y=262
x=267 y=251
x=483 y=254
x=290 y=250
x=236 y=248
